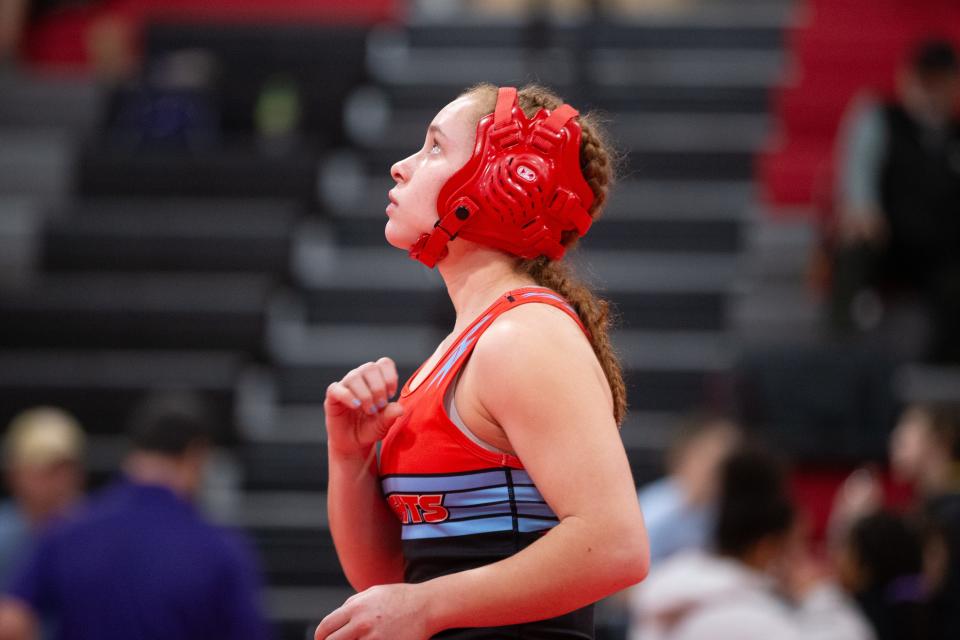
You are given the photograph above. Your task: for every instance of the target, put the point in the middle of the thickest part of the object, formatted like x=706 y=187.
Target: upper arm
x=539 y=383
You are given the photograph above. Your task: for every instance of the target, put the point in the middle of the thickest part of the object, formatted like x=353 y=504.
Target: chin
x=398 y=237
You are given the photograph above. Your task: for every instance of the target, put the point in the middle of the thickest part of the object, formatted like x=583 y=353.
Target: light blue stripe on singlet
x=523 y=509
x=527 y=494
x=459 y=351
x=528 y=525
x=440 y=484
x=480 y=496
x=461 y=528
x=520 y=477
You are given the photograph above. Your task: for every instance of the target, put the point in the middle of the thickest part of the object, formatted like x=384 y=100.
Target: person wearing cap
x=43 y=456
x=897 y=202
x=138 y=560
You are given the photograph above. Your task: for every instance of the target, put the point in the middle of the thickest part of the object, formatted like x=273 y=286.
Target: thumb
x=388 y=416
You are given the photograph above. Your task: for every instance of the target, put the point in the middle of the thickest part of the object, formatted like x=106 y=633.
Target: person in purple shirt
x=139 y=562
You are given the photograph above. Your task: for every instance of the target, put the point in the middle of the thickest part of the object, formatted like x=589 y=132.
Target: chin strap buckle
x=430 y=248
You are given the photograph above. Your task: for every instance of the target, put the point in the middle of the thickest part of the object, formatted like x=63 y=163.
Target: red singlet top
x=460 y=504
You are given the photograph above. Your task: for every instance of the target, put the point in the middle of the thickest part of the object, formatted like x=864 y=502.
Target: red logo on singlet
x=415 y=509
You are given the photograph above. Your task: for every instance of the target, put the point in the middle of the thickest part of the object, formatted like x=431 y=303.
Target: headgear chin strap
x=521 y=189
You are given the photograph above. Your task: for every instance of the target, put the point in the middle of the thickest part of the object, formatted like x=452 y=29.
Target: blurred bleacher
x=253 y=266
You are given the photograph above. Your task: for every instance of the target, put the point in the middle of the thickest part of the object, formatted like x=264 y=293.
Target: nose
x=399 y=171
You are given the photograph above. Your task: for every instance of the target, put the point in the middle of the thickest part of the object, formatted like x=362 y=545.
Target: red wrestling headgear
x=521 y=189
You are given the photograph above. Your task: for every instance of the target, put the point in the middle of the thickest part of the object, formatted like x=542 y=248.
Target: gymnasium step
x=189 y=310
x=30 y=101
x=234 y=169
x=36 y=163
x=21 y=223
x=171 y=235
x=101 y=387
x=753 y=30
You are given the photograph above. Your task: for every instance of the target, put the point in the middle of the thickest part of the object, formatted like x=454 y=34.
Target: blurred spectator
x=923 y=448
x=679 y=508
x=139 y=561
x=734 y=590
x=925 y=452
x=898 y=222
x=936 y=464
x=43 y=456
x=881 y=563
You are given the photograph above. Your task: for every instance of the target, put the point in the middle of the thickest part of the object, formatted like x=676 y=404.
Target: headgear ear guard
x=521 y=189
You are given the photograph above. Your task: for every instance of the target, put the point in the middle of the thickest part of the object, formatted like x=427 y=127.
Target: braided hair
x=597 y=164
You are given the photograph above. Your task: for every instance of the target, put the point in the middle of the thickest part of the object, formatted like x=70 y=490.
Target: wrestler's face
x=447 y=147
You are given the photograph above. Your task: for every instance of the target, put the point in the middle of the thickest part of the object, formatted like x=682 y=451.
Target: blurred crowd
x=734 y=554
x=136 y=559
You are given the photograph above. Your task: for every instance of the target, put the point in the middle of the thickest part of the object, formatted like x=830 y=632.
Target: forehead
x=458 y=118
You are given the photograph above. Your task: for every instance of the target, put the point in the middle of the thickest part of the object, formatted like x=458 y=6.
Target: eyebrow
x=435 y=129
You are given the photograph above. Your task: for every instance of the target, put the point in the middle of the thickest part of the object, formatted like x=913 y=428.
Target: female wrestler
x=503 y=504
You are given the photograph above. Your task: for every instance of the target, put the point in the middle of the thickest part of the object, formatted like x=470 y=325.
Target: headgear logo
x=526 y=173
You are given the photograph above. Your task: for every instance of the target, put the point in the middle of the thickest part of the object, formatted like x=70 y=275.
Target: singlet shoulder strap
x=545 y=296
x=457 y=355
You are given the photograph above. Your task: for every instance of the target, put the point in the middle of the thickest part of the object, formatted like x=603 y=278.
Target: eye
x=435 y=148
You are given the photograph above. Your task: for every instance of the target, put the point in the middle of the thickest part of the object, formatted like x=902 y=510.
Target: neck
x=475 y=275
x=159 y=470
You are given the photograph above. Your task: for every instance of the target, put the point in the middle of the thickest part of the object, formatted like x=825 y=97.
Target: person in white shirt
x=738 y=590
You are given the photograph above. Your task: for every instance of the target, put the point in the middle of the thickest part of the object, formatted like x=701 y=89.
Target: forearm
x=571 y=566
x=366 y=534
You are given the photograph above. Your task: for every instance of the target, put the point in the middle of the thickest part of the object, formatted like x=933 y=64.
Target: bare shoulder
x=538 y=332
x=540 y=347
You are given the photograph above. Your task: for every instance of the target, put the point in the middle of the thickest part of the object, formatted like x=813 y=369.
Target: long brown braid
x=597 y=165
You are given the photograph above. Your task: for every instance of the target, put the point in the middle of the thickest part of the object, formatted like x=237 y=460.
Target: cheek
x=428 y=183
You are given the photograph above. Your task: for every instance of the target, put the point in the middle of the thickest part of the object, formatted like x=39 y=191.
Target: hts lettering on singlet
x=415 y=509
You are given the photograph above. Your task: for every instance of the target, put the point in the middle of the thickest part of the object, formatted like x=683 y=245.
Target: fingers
x=373 y=377
x=340 y=399
x=368 y=387
x=348 y=632
x=389 y=371
x=331 y=624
